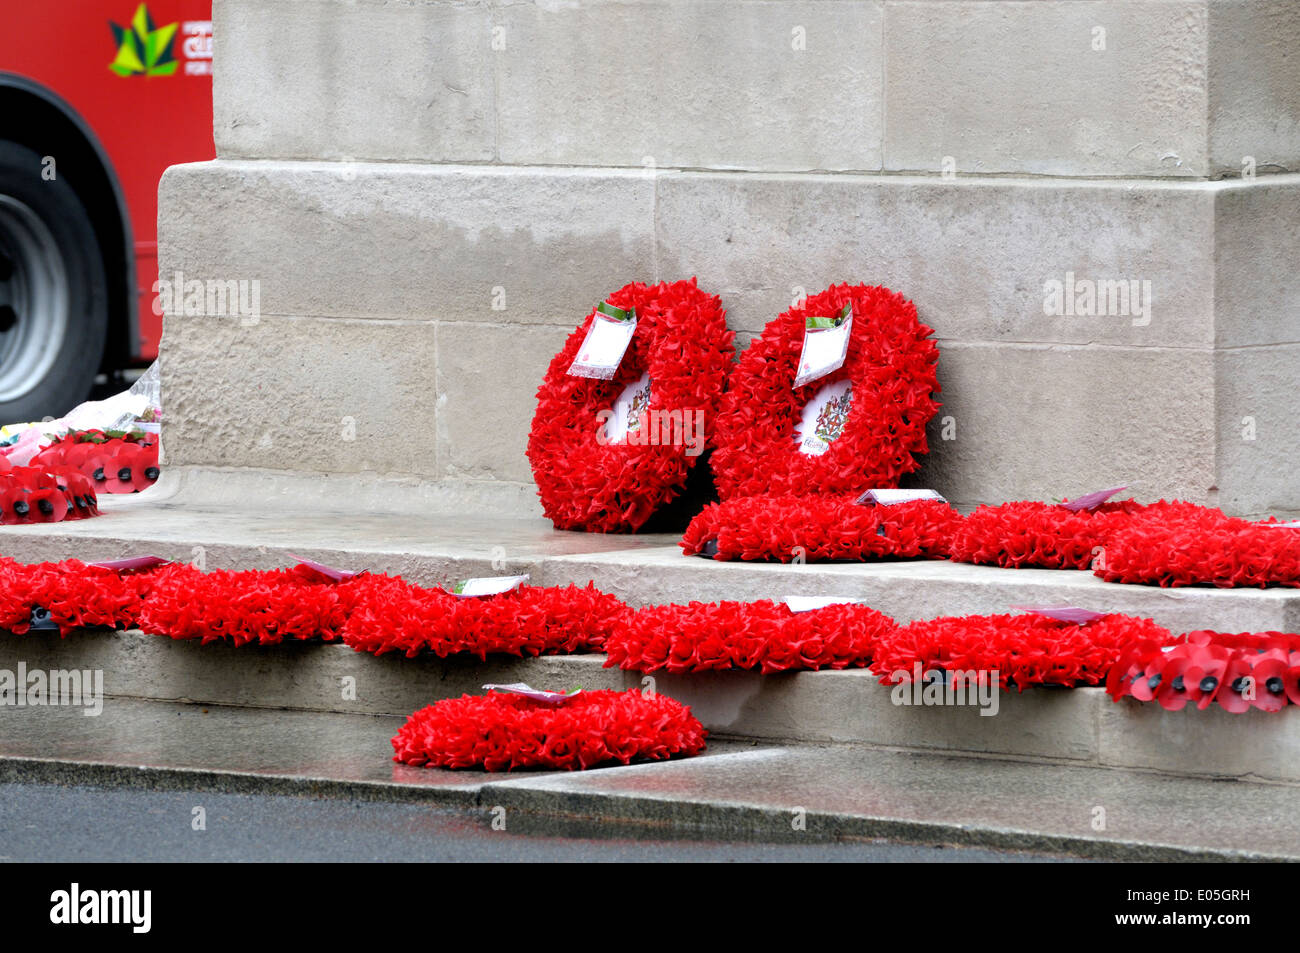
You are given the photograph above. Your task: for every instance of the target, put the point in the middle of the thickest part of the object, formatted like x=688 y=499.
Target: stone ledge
x=1080 y=726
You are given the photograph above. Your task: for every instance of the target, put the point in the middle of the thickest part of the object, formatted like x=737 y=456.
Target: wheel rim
x=33 y=299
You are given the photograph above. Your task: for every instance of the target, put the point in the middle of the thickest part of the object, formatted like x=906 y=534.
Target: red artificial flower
x=587 y=483
x=1022 y=649
x=389 y=614
x=1238 y=670
x=1193 y=545
x=891 y=363
x=1041 y=535
x=262 y=607
x=501 y=732
x=115 y=464
x=765 y=635
x=75 y=596
x=820 y=529
x=45 y=494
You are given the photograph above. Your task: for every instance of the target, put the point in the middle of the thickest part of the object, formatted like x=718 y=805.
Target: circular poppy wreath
x=1023 y=649
x=820 y=529
x=585 y=481
x=1239 y=671
x=500 y=732
x=68 y=594
x=763 y=635
x=393 y=615
x=890 y=367
x=1189 y=545
x=45 y=494
x=250 y=606
x=115 y=464
x=1041 y=535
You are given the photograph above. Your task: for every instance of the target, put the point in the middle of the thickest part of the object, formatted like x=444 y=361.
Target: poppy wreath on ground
x=253 y=606
x=1022 y=649
x=395 y=616
x=67 y=595
x=890 y=369
x=590 y=480
x=1239 y=671
x=114 y=462
x=820 y=529
x=1040 y=535
x=763 y=635
x=45 y=494
x=1199 y=546
x=500 y=732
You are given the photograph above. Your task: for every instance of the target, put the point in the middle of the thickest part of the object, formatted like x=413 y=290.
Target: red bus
x=97 y=98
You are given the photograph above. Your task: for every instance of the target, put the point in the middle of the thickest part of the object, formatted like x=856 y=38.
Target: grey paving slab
x=848 y=791
x=734 y=790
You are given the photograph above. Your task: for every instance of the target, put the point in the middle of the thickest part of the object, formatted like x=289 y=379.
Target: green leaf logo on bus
x=142 y=48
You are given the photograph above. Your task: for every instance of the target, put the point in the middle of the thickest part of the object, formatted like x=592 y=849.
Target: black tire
x=53 y=292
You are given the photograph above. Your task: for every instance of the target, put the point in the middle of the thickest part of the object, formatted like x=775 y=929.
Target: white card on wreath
x=488 y=585
x=809 y=603
x=606 y=342
x=628 y=409
x=825 y=345
x=822 y=419
x=536 y=694
x=891 y=497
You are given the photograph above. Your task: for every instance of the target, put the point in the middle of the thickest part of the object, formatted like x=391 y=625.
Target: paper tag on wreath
x=892 y=497
x=338 y=575
x=1064 y=613
x=606 y=342
x=1090 y=501
x=130 y=562
x=825 y=345
x=487 y=585
x=1293 y=524
x=809 y=603
x=536 y=694
x=628 y=413
x=823 y=418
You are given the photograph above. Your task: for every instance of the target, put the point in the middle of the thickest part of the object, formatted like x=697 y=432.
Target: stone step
x=431 y=549
x=733 y=790
x=1080 y=726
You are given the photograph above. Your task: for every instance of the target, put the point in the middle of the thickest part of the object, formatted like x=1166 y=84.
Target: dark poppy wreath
x=1023 y=649
x=1238 y=671
x=891 y=366
x=764 y=635
x=395 y=616
x=820 y=529
x=1188 y=545
x=114 y=461
x=500 y=732
x=45 y=494
x=584 y=481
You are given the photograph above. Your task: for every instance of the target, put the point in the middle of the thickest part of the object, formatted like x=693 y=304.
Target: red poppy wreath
x=1023 y=650
x=607 y=453
x=1028 y=533
x=856 y=428
x=499 y=732
x=1240 y=671
x=395 y=616
x=763 y=635
x=820 y=529
x=1188 y=545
